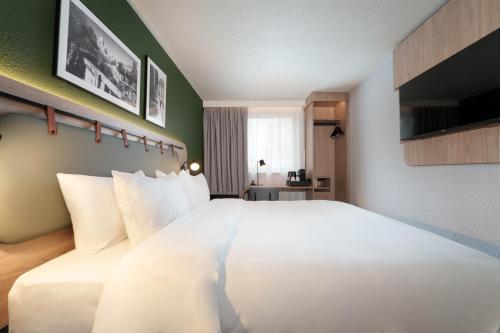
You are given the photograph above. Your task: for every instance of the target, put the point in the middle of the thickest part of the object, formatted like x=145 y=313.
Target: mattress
x=62 y=294
x=301 y=266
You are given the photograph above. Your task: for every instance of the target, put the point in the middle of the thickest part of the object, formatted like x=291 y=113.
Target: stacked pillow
x=195 y=187
x=147 y=204
x=95 y=215
x=104 y=211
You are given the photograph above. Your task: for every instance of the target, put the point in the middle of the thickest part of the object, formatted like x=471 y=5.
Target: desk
x=277 y=187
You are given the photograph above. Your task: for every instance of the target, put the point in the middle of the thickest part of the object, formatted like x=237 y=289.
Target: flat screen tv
x=461 y=92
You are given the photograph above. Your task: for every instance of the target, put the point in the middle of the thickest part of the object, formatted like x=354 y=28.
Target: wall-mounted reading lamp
x=193 y=167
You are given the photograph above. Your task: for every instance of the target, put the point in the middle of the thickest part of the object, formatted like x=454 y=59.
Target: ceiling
x=280 y=49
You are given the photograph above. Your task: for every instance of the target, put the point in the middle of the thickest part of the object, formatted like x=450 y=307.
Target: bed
x=228 y=265
x=307 y=266
x=62 y=294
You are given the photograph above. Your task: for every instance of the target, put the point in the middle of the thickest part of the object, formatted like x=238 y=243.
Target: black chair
x=263 y=194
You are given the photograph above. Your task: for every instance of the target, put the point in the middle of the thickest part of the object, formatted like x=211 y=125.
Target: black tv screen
x=461 y=92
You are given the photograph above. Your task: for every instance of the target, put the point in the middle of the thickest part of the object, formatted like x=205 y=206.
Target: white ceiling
x=280 y=49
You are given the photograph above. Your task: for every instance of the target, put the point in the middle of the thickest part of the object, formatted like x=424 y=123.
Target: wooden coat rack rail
x=52 y=114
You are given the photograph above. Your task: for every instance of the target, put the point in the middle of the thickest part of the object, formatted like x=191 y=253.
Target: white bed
x=316 y=266
x=255 y=267
x=62 y=294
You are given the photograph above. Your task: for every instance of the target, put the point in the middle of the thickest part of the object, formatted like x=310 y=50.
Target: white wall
x=461 y=202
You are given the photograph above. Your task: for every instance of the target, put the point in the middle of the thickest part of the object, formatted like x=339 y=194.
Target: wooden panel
x=15 y=259
x=322 y=96
x=469 y=147
x=455 y=26
x=324 y=112
x=282 y=187
x=342 y=156
x=309 y=141
x=323 y=195
x=324 y=157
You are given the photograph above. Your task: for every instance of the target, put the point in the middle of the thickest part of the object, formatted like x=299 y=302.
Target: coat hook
x=124 y=137
x=161 y=147
x=50 y=113
x=145 y=143
x=98 y=131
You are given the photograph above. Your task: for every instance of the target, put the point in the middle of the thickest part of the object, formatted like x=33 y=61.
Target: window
x=275 y=135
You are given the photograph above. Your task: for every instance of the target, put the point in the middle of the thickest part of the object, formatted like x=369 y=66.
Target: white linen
x=171 y=176
x=90 y=199
x=62 y=294
x=196 y=189
x=147 y=204
x=306 y=266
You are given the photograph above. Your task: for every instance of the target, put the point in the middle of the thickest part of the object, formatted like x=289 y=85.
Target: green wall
x=27 y=54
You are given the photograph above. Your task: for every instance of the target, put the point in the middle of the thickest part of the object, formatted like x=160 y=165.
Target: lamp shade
x=262 y=163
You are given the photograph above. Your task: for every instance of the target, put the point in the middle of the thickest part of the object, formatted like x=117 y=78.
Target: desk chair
x=262 y=194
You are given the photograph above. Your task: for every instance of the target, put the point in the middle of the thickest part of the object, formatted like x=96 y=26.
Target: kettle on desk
x=301 y=173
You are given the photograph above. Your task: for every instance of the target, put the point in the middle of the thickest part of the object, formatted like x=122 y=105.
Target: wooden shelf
x=321 y=97
x=327 y=122
x=322 y=188
x=37 y=96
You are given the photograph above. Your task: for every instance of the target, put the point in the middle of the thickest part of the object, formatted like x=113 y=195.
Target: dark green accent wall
x=27 y=53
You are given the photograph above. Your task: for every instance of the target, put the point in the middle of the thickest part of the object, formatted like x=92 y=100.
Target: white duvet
x=303 y=266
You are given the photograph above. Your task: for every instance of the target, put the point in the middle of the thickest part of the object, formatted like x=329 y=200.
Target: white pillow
x=96 y=218
x=171 y=176
x=196 y=189
x=147 y=204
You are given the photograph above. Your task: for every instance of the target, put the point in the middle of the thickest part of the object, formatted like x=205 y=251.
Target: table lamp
x=259 y=164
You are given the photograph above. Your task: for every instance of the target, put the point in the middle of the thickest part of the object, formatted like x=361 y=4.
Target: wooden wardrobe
x=327 y=158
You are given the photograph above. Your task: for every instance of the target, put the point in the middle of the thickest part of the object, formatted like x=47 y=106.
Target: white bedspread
x=310 y=266
x=62 y=294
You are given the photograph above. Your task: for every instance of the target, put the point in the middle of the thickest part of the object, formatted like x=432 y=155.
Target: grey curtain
x=225 y=144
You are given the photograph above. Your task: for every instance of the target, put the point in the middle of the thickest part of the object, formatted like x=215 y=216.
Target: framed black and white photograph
x=156 y=93
x=93 y=58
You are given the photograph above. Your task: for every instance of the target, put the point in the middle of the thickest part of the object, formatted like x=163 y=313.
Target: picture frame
x=156 y=94
x=92 y=57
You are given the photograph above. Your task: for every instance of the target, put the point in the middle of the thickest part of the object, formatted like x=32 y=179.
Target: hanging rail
x=50 y=113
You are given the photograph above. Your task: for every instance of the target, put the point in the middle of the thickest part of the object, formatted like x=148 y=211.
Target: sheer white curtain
x=276 y=135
